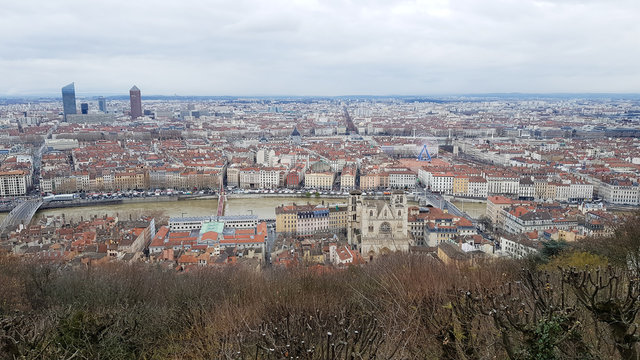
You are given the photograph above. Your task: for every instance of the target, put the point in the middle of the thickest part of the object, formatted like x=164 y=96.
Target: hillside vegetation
x=579 y=302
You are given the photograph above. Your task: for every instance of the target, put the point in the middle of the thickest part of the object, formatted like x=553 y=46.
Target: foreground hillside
x=400 y=307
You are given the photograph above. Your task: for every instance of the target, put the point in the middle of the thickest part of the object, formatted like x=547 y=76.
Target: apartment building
x=433 y=226
x=181 y=178
x=402 y=179
x=266 y=157
x=295 y=176
x=233 y=175
x=312 y=220
x=319 y=180
x=623 y=192
x=442 y=183
x=338 y=217
x=131 y=180
x=348 y=179
x=83 y=181
x=369 y=181
x=580 y=190
x=502 y=184
x=271 y=178
x=526 y=189
x=286 y=219
x=519 y=247
x=306 y=219
x=524 y=219
x=460 y=186
x=477 y=187
x=494 y=205
x=249 y=178
x=14 y=182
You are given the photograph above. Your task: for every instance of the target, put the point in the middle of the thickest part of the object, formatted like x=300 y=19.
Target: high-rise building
x=69 y=100
x=102 y=104
x=84 y=108
x=136 y=102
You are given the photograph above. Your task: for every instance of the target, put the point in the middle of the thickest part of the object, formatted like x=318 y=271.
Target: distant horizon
x=284 y=96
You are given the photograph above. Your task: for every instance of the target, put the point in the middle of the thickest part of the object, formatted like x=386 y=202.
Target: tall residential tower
x=136 y=102
x=69 y=100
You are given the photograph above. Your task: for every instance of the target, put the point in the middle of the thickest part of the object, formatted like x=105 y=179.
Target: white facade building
x=477 y=187
x=271 y=178
x=402 y=179
x=14 y=183
x=442 y=183
x=517 y=248
x=620 y=192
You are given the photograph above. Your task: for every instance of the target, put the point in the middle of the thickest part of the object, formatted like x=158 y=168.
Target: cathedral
x=378 y=227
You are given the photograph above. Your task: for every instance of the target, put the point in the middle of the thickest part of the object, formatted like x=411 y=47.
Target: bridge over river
x=221 y=200
x=437 y=200
x=21 y=214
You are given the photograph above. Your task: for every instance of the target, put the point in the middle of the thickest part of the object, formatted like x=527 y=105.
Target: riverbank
x=465 y=199
x=156 y=199
x=264 y=207
x=102 y=202
x=299 y=196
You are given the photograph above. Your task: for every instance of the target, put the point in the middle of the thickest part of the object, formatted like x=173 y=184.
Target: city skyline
x=322 y=49
x=397 y=179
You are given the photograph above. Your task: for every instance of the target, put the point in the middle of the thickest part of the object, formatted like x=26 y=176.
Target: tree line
x=574 y=301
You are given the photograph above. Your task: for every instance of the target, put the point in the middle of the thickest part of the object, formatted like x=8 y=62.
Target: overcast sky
x=323 y=47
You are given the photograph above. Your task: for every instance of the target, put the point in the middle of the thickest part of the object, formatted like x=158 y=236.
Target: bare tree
x=612 y=297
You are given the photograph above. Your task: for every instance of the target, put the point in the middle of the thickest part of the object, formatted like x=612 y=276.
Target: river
x=474 y=209
x=263 y=207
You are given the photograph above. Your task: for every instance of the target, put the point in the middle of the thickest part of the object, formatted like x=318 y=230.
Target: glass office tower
x=102 y=104
x=69 y=100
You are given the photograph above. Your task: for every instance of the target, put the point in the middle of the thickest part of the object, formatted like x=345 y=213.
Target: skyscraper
x=102 y=104
x=84 y=108
x=136 y=102
x=69 y=100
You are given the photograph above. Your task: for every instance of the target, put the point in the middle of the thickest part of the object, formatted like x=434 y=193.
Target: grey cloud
x=319 y=47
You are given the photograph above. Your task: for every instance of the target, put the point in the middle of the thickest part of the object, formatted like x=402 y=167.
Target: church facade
x=378 y=226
